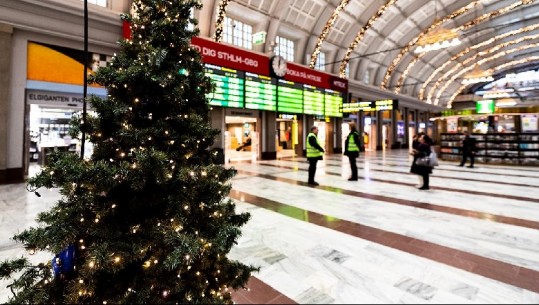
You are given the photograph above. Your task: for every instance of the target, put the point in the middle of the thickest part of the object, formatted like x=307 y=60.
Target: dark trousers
x=353 y=167
x=425 y=180
x=312 y=168
x=465 y=156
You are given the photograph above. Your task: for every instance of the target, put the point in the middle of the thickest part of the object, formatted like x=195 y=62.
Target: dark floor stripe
x=432 y=187
x=497 y=270
x=260 y=293
x=427 y=206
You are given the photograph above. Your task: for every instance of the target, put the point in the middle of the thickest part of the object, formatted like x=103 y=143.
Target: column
x=268 y=134
x=6 y=32
x=379 y=129
x=394 y=137
x=217 y=121
x=361 y=128
x=406 y=126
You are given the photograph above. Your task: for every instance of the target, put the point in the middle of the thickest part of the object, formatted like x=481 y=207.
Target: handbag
x=423 y=161
x=431 y=160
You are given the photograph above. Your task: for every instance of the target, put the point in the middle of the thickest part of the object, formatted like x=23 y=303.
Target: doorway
x=287 y=136
x=241 y=139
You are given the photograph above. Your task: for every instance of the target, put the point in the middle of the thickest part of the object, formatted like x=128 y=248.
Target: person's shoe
x=424 y=188
x=470 y=166
x=352 y=179
x=313 y=183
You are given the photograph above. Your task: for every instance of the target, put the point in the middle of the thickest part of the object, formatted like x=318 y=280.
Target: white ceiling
x=394 y=29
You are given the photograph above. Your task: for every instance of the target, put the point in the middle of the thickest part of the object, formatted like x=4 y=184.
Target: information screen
x=313 y=100
x=260 y=92
x=229 y=86
x=333 y=103
x=289 y=97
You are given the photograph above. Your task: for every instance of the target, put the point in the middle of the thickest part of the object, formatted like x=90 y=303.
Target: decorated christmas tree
x=146 y=219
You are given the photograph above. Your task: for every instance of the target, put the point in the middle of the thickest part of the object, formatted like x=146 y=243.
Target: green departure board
x=229 y=86
x=313 y=100
x=260 y=92
x=333 y=103
x=289 y=97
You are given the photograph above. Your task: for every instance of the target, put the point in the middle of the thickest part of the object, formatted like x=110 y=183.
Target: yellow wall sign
x=55 y=64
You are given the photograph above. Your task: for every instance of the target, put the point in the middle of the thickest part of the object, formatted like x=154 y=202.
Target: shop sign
x=230 y=57
x=54 y=98
x=241 y=112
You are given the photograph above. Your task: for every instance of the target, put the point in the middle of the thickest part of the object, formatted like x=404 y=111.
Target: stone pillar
x=268 y=134
x=406 y=126
x=337 y=135
x=379 y=130
x=394 y=137
x=6 y=32
x=360 y=128
x=217 y=121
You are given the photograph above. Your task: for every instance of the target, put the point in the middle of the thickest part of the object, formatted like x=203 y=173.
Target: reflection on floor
x=472 y=238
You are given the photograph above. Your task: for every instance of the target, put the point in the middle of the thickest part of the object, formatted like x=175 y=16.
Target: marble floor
x=473 y=238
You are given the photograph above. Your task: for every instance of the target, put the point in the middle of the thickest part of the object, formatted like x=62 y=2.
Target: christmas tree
x=146 y=219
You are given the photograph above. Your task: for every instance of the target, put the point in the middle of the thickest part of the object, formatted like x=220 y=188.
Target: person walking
x=314 y=153
x=468 y=150
x=423 y=150
x=415 y=144
x=351 y=149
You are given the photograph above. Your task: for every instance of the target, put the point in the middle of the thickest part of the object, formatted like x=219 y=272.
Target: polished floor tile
x=472 y=238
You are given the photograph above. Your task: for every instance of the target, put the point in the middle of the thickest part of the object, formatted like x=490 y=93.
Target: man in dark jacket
x=468 y=149
x=351 y=149
x=314 y=153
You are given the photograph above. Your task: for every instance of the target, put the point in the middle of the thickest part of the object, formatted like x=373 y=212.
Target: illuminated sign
x=229 y=86
x=333 y=103
x=259 y=38
x=485 y=106
x=313 y=100
x=289 y=97
x=356 y=106
x=382 y=105
x=260 y=92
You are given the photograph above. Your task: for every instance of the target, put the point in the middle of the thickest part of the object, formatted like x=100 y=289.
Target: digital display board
x=356 y=106
x=260 y=92
x=381 y=105
x=313 y=100
x=333 y=103
x=289 y=97
x=229 y=86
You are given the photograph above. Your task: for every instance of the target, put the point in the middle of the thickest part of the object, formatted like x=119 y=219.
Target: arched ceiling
x=377 y=39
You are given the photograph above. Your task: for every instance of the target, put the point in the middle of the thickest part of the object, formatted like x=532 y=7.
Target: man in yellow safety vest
x=314 y=153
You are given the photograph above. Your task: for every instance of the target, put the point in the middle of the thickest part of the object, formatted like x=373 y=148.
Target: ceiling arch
x=388 y=30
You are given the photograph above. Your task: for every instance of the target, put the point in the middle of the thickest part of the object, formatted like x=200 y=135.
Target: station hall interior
x=394 y=68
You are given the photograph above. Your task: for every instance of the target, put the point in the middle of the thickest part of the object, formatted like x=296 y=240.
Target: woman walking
x=422 y=150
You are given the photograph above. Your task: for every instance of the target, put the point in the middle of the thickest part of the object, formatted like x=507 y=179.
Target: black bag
x=423 y=161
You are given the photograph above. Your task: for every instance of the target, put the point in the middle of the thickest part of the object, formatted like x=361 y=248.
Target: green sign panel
x=289 y=97
x=313 y=100
x=260 y=92
x=333 y=103
x=485 y=106
x=229 y=86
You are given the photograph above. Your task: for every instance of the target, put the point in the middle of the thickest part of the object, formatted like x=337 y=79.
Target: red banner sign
x=231 y=57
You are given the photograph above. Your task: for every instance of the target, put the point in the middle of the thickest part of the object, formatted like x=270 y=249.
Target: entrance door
x=241 y=139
